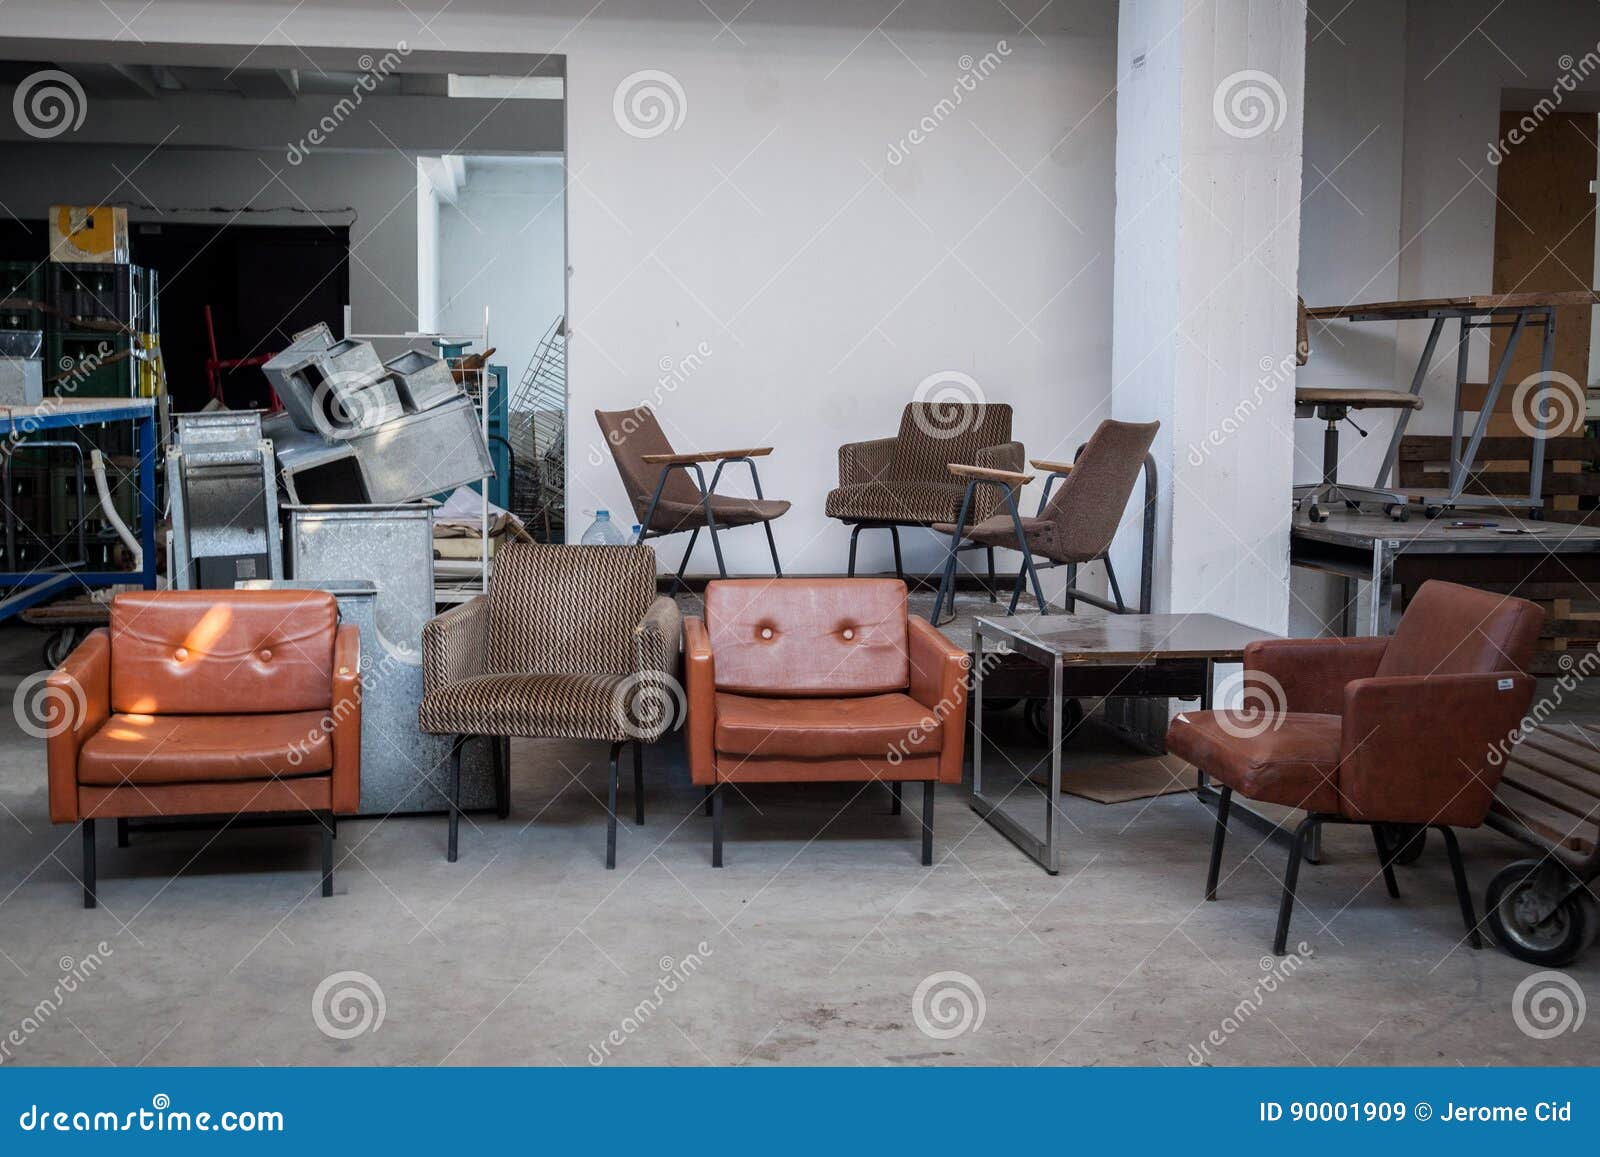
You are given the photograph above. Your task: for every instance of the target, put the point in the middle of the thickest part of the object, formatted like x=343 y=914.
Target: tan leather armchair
x=1396 y=733
x=807 y=680
x=208 y=703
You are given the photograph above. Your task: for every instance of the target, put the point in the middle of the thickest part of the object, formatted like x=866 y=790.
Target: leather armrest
x=700 y=679
x=861 y=462
x=1310 y=674
x=1428 y=749
x=1008 y=456
x=72 y=705
x=939 y=682
x=455 y=645
x=346 y=716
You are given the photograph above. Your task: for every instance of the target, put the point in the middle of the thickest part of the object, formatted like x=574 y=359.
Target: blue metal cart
x=17 y=425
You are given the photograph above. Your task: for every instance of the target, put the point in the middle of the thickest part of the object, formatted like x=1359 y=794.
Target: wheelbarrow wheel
x=1520 y=922
x=59 y=645
x=1038 y=718
x=1404 y=841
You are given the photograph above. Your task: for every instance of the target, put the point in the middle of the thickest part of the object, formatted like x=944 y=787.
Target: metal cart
x=19 y=424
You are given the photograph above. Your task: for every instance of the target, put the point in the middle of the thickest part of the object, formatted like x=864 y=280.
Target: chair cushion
x=1001 y=531
x=611 y=707
x=673 y=516
x=869 y=726
x=905 y=503
x=1292 y=759
x=152 y=749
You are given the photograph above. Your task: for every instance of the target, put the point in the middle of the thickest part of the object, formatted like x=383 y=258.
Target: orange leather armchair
x=1396 y=733
x=802 y=680
x=207 y=703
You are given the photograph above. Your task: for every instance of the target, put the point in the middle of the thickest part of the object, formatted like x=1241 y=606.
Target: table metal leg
x=1043 y=852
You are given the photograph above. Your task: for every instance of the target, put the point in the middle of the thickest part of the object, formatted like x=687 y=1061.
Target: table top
x=1123 y=638
x=1510 y=535
x=1472 y=302
x=55 y=413
x=1357 y=397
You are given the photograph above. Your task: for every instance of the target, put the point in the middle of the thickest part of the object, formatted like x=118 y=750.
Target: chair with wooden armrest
x=669 y=491
x=1075 y=526
x=1332 y=405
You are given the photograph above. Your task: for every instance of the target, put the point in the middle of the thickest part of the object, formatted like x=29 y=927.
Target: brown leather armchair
x=1377 y=731
x=807 y=680
x=208 y=703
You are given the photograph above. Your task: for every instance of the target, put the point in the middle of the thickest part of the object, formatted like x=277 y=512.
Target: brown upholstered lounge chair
x=666 y=500
x=1074 y=527
x=1380 y=731
x=571 y=642
x=888 y=483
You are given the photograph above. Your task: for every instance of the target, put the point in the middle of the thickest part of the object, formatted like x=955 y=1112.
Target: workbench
x=1515 y=312
x=1395 y=557
x=17 y=425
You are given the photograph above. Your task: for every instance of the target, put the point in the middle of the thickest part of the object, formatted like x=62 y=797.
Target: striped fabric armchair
x=570 y=642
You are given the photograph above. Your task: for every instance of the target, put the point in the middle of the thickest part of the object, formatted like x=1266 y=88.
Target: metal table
x=1172 y=656
x=1396 y=556
x=18 y=424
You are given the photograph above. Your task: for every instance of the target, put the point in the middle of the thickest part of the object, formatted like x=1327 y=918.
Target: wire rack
x=538 y=427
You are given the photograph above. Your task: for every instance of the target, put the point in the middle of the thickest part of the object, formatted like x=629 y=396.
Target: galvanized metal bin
x=425 y=454
x=391 y=547
x=224 y=501
x=423 y=381
x=312 y=469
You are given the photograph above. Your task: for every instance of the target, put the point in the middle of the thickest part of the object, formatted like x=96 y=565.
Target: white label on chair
x=1506 y=684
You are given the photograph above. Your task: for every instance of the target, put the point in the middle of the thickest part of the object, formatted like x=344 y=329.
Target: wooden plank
x=1568 y=786
x=1429 y=447
x=1546 y=822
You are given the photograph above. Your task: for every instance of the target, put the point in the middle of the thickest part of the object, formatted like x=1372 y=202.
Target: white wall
x=502 y=245
x=770 y=226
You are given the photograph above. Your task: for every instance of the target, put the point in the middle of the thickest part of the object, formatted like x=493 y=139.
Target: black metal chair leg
x=1116 y=591
x=502 y=775
x=708 y=800
x=993 y=596
x=611 y=809
x=88 y=863
x=1016 y=588
x=1070 y=604
x=899 y=567
x=1224 y=802
x=327 y=854
x=1290 y=878
x=927 y=823
x=777 y=567
x=1385 y=862
x=1027 y=555
x=1463 y=891
x=638 y=783
x=455 y=795
x=122 y=833
x=855 y=533
x=716 y=826
x=894 y=792
x=683 y=563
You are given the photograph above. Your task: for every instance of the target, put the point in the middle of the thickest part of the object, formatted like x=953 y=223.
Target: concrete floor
x=808 y=948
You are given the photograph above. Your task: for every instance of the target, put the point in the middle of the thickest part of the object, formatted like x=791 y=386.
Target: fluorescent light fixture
x=506 y=87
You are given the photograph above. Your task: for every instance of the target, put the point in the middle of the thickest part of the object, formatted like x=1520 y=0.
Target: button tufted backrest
x=222 y=652
x=808 y=637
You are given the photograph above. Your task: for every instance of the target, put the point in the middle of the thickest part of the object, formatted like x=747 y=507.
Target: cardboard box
x=84 y=233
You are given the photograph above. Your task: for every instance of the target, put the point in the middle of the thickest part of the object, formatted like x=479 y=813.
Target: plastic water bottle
x=602 y=531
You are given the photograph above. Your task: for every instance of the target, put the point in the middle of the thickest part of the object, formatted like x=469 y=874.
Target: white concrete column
x=1209 y=108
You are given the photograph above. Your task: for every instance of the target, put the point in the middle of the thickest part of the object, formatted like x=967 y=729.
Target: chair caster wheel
x=1433 y=511
x=1316 y=514
x=59 y=645
x=1399 y=513
x=1405 y=842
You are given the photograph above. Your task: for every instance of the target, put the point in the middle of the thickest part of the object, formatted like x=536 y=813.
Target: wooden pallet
x=1501 y=468
x=1550 y=793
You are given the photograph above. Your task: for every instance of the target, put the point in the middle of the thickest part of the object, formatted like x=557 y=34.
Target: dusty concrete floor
x=808 y=948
